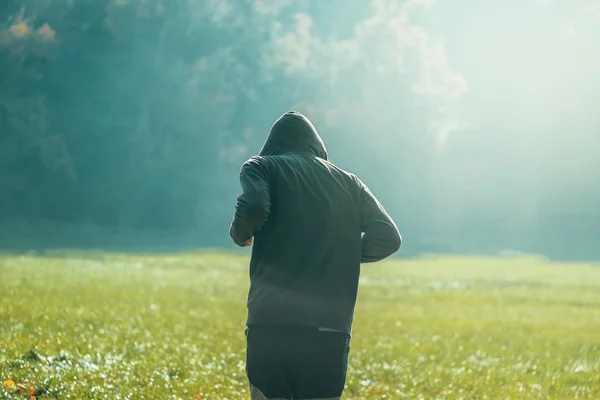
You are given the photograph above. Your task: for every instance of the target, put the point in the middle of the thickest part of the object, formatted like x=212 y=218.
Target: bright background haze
x=123 y=123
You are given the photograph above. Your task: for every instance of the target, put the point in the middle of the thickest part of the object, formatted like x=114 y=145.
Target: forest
x=123 y=123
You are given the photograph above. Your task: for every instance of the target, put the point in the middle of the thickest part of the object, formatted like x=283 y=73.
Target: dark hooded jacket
x=313 y=224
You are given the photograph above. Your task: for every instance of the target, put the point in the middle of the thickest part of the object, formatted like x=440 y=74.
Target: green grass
x=171 y=327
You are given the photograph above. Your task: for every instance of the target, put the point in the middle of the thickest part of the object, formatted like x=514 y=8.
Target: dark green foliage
x=122 y=120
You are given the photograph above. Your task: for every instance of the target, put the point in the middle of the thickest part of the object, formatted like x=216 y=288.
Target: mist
x=123 y=123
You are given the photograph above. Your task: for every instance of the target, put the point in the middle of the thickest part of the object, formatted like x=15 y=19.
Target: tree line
x=136 y=115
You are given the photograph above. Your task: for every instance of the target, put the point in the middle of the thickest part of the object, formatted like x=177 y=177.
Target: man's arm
x=253 y=205
x=380 y=235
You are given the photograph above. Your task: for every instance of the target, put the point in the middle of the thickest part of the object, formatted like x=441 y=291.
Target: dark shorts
x=294 y=362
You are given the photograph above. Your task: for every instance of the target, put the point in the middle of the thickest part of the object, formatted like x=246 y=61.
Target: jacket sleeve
x=253 y=205
x=381 y=237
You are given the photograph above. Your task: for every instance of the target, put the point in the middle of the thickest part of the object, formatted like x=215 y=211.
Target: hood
x=293 y=133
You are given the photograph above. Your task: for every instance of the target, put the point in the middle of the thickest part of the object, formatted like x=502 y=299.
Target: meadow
x=111 y=326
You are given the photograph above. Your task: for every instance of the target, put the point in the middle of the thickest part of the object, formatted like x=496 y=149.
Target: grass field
x=102 y=326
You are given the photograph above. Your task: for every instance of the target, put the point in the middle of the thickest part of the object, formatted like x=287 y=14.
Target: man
x=311 y=224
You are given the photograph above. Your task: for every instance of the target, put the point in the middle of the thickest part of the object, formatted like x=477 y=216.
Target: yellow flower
x=9 y=385
x=20 y=29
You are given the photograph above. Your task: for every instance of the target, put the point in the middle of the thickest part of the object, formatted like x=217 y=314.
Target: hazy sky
x=534 y=61
x=510 y=90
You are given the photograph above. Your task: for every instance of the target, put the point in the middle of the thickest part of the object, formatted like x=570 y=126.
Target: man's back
x=307 y=217
x=305 y=261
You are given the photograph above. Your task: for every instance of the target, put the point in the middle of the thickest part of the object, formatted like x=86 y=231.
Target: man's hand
x=249 y=242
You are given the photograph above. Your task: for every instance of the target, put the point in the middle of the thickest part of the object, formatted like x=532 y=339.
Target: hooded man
x=311 y=225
